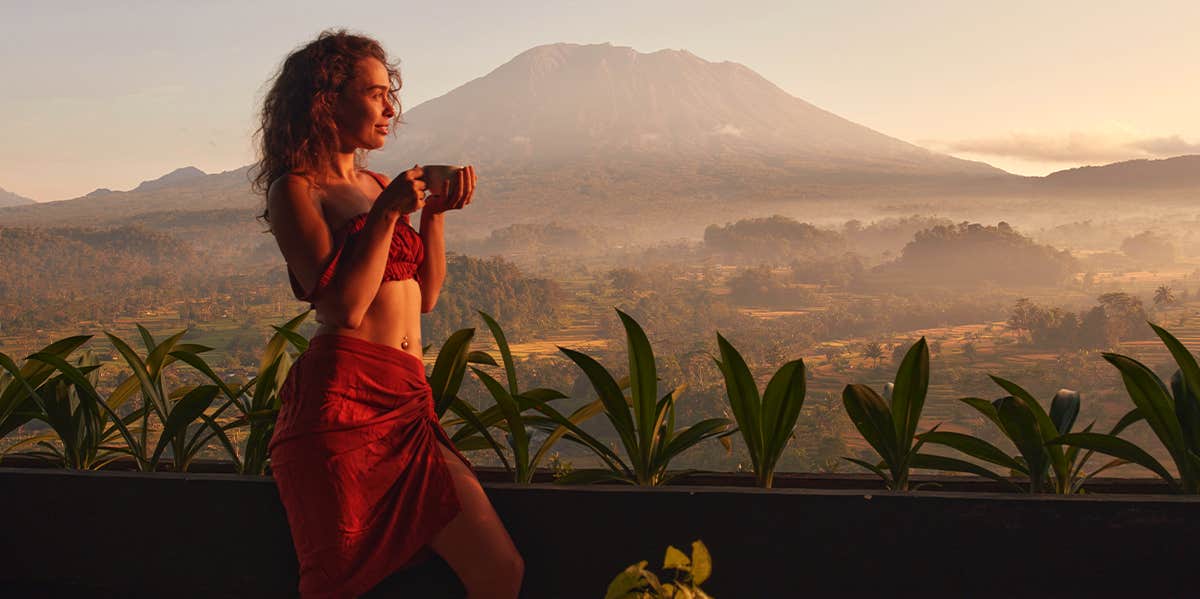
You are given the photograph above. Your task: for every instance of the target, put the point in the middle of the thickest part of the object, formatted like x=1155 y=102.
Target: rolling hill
x=8 y=198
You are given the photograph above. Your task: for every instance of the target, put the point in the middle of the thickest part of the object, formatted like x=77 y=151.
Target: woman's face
x=364 y=111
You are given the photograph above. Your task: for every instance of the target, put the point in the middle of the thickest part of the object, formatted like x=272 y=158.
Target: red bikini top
x=405 y=255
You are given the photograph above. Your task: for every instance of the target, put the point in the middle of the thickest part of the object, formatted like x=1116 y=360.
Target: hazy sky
x=107 y=94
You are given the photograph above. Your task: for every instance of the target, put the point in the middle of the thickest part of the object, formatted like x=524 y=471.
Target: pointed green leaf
x=577 y=417
x=1046 y=428
x=88 y=393
x=608 y=391
x=578 y=435
x=1117 y=448
x=1154 y=404
x=1187 y=405
x=783 y=400
x=743 y=397
x=643 y=380
x=871 y=467
x=449 y=369
x=219 y=432
x=187 y=411
x=948 y=464
x=480 y=357
x=974 y=447
x=908 y=395
x=296 y=339
x=156 y=360
x=873 y=419
x=199 y=364
x=664 y=424
x=277 y=345
x=464 y=411
x=985 y=407
x=691 y=436
x=510 y=370
x=147 y=338
x=142 y=373
x=1022 y=428
x=512 y=415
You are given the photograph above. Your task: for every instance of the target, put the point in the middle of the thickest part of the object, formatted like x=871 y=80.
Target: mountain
x=171 y=179
x=8 y=198
x=182 y=190
x=576 y=104
x=175 y=178
x=657 y=145
x=605 y=135
x=1177 y=172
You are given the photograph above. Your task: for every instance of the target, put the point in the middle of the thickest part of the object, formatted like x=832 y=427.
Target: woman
x=369 y=480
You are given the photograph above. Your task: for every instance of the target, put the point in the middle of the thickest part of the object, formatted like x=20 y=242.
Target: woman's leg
x=475 y=543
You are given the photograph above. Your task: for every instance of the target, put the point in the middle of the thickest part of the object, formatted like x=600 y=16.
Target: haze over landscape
x=129 y=92
x=667 y=176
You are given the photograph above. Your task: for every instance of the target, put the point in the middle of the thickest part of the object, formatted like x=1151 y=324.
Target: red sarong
x=355 y=459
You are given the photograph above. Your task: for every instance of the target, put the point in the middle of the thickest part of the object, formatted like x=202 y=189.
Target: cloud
x=728 y=129
x=1167 y=146
x=1109 y=145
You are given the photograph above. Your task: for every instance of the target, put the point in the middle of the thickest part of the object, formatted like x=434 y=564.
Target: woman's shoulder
x=291 y=182
x=292 y=188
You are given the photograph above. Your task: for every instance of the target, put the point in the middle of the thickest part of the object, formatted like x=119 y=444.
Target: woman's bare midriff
x=396 y=312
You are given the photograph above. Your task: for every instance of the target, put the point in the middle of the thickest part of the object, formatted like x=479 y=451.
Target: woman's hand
x=405 y=194
x=453 y=196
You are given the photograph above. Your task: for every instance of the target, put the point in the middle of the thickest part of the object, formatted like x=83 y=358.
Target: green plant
x=257 y=400
x=20 y=387
x=508 y=413
x=181 y=412
x=1028 y=426
x=647 y=432
x=1173 y=415
x=450 y=369
x=636 y=582
x=446 y=380
x=81 y=421
x=890 y=425
x=84 y=421
x=766 y=424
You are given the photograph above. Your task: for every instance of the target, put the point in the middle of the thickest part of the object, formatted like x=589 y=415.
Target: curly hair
x=297 y=130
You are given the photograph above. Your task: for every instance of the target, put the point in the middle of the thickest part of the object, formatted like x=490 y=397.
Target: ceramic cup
x=434 y=175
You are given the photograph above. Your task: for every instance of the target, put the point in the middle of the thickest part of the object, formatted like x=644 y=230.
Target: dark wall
x=212 y=535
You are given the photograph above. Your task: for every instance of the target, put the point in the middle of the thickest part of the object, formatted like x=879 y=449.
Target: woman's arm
x=433 y=268
x=360 y=272
x=433 y=218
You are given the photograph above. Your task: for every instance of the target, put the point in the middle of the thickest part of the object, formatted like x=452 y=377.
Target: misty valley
x=1034 y=298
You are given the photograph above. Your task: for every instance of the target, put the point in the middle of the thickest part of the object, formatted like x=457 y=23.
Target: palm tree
x=874 y=351
x=1163 y=296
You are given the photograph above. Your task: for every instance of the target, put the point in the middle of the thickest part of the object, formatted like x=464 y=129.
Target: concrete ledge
x=218 y=535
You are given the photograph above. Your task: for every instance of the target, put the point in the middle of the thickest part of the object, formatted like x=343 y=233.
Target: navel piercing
x=404 y=343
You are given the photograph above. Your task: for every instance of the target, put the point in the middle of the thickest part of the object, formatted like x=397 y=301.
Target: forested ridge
x=974 y=253
x=61 y=277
